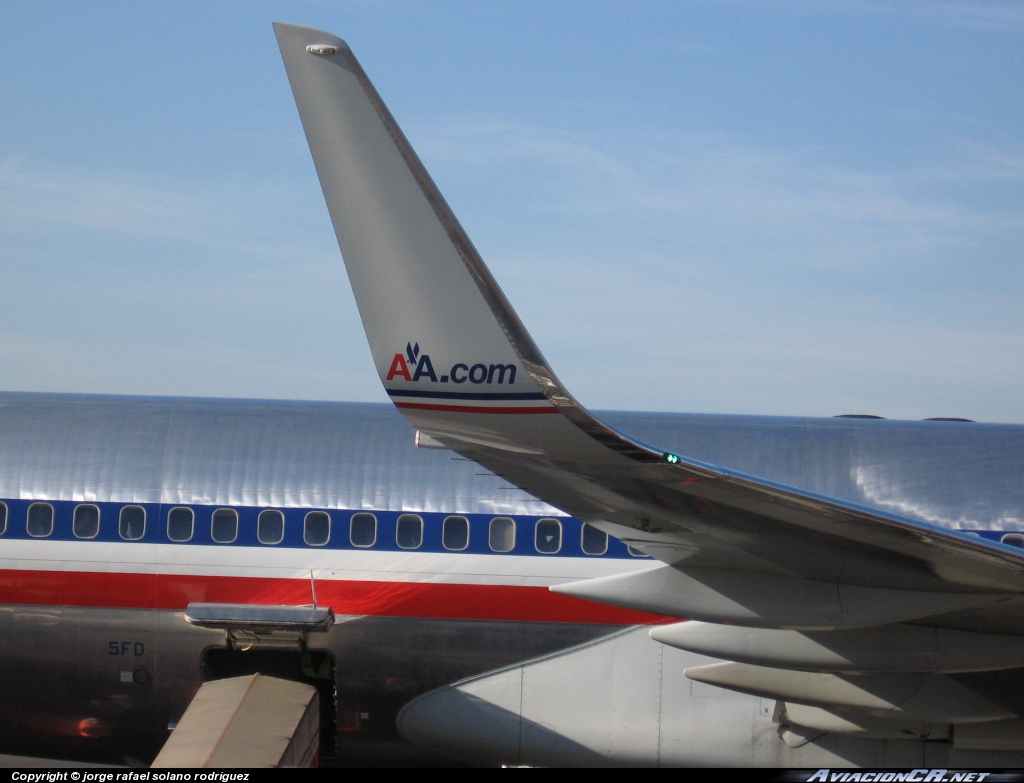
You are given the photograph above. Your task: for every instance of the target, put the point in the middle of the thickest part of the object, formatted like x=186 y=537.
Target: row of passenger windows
x=316 y=528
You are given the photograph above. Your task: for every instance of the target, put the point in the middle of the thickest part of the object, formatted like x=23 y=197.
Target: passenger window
x=1013 y=539
x=362 y=530
x=86 y=523
x=316 y=529
x=270 y=527
x=40 y=520
x=548 y=536
x=3 y=518
x=635 y=552
x=409 y=533
x=501 y=535
x=594 y=541
x=132 y=523
x=179 y=524
x=455 y=533
x=224 y=525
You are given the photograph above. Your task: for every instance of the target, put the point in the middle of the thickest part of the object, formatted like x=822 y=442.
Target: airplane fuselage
x=123 y=511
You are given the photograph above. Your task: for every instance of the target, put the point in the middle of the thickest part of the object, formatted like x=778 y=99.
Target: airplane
x=486 y=572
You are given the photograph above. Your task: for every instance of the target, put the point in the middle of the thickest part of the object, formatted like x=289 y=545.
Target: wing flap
x=757 y=599
x=879 y=650
x=915 y=696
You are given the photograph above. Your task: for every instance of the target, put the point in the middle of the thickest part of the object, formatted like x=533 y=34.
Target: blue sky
x=795 y=208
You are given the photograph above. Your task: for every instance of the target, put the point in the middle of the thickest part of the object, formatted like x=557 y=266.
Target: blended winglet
x=443 y=336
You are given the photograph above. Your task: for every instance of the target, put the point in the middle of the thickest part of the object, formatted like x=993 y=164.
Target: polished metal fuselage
x=341 y=455
x=64 y=692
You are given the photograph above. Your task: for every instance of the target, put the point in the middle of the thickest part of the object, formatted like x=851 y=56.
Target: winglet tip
x=311 y=35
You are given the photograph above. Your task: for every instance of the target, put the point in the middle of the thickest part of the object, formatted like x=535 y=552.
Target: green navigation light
x=671 y=459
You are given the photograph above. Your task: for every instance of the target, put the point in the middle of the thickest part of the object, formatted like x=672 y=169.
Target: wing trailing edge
x=912 y=697
x=886 y=649
x=751 y=598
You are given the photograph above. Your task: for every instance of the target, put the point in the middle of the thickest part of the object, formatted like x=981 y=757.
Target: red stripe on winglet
x=424 y=406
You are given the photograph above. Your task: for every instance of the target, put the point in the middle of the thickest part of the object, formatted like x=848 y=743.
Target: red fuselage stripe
x=392 y=599
x=424 y=406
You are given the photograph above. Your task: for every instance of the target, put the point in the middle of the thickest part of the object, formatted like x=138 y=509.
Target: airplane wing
x=776 y=576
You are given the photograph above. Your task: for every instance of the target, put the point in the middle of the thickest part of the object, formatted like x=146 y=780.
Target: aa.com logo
x=414 y=366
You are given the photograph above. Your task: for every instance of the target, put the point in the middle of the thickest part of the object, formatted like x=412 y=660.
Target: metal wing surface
x=738 y=550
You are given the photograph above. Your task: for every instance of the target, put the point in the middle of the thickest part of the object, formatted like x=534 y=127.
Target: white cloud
x=792 y=207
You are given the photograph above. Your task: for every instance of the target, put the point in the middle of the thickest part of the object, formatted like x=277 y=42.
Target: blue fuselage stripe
x=293 y=535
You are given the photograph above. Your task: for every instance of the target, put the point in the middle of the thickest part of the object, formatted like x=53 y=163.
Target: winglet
x=448 y=346
x=441 y=331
